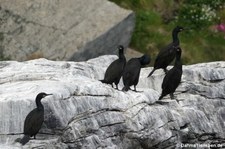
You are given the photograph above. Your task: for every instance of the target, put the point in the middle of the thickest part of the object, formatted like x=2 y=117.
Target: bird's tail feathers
x=25 y=139
x=103 y=81
x=160 y=98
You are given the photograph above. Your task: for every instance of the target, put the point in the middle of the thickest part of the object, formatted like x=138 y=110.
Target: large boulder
x=63 y=29
x=85 y=113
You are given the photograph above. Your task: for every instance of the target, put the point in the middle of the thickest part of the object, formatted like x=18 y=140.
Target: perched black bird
x=173 y=77
x=115 y=69
x=34 y=120
x=132 y=71
x=167 y=54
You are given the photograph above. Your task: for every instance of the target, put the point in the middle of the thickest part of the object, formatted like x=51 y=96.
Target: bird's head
x=178 y=29
x=120 y=48
x=178 y=49
x=145 y=60
x=42 y=95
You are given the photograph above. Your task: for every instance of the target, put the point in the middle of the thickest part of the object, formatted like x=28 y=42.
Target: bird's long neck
x=175 y=38
x=39 y=104
x=178 y=63
x=121 y=55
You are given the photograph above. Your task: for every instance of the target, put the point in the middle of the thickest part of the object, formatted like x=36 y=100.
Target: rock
x=85 y=113
x=131 y=53
x=62 y=30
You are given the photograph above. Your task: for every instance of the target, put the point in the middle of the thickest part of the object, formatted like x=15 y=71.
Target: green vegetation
x=155 y=20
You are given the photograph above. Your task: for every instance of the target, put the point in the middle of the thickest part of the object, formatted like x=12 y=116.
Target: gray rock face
x=62 y=30
x=84 y=113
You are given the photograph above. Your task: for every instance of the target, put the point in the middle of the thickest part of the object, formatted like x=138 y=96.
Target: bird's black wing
x=171 y=81
x=114 y=70
x=165 y=57
x=33 y=122
x=131 y=72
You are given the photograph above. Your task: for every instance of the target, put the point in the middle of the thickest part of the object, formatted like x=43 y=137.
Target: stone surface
x=62 y=30
x=130 y=53
x=84 y=113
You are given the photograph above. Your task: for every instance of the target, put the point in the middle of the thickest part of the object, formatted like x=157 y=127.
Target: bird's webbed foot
x=135 y=90
x=162 y=102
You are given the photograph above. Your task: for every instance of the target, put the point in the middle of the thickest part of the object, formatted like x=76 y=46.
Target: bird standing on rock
x=34 y=120
x=132 y=71
x=114 y=71
x=167 y=54
x=173 y=76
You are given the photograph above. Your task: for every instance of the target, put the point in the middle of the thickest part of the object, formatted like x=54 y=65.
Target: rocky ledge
x=84 y=113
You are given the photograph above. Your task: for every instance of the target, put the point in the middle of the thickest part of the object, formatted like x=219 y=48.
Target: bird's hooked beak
x=48 y=95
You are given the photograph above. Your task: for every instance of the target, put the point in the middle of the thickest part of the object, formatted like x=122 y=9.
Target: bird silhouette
x=167 y=54
x=173 y=76
x=114 y=71
x=34 y=120
x=132 y=71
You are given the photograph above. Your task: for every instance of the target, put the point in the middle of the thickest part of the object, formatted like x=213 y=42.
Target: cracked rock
x=85 y=113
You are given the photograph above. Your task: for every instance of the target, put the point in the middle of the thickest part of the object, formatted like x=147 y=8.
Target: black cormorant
x=167 y=54
x=34 y=120
x=132 y=71
x=115 y=69
x=173 y=76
